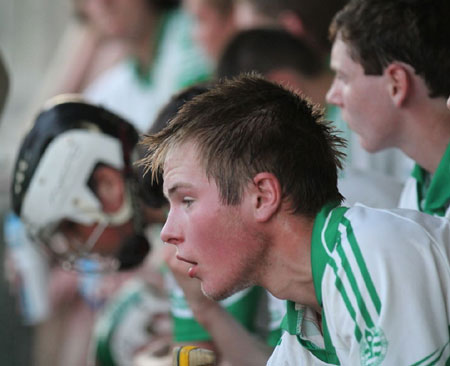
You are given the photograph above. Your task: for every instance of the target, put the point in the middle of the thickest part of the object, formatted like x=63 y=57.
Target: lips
x=192 y=270
x=185 y=260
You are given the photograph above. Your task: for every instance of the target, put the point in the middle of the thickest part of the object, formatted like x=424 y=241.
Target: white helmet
x=51 y=180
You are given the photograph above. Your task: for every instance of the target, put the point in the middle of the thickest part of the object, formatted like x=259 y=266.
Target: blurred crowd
x=136 y=63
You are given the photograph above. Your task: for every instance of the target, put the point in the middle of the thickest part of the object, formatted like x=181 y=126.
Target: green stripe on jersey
x=323 y=240
x=354 y=285
x=340 y=287
x=362 y=265
x=326 y=246
x=434 y=357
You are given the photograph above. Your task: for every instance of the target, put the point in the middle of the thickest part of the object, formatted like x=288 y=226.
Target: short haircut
x=267 y=49
x=249 y=125
x=415 y=32
x=151 y=190
x=316 y=15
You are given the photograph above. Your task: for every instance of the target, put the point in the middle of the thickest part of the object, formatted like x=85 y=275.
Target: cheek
x=209 y=33
x=214 y=234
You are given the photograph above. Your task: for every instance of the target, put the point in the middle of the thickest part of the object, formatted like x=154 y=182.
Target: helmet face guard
x=60 y=185
x=51 y=182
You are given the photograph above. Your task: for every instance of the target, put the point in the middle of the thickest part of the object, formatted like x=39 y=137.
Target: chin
x=367 y=146
x=218 y=293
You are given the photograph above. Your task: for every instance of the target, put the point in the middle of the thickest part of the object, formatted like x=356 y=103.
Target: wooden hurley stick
x=193 y=356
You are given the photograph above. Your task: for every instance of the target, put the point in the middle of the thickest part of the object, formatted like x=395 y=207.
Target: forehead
x=340 y=55
x=182 y=164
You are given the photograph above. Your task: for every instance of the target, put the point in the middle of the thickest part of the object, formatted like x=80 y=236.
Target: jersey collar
x=325 y=231
x=434 y=196
x=145 y=75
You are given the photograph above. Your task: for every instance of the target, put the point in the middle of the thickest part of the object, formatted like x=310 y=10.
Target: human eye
x=341 y=76
x=187 y=201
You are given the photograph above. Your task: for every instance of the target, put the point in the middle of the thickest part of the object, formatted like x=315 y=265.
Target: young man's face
x=448 y=103
x=211 y=29
x=216 y=239
x=363 y=99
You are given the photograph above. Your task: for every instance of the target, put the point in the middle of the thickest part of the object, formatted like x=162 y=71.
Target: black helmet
x=68 y=140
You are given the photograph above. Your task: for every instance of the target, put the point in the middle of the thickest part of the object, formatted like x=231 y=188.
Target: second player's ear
x=399 y=83
x=267 y=196
x=109 y=188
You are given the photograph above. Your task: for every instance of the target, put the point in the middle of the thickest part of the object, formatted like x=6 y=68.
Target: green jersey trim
x=325 y=230
x=144 y=75
x=319 y=260
x=291 y=323
x=273 y=337
x=433 y=196
x=434 y=357
x=106 y=326
x=333 y=242
x=351 y=277
x=243 y=310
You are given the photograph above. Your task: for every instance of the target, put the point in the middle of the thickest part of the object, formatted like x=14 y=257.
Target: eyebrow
x=171 y=191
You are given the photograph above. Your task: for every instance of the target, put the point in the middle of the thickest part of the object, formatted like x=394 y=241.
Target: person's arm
x=231 y=340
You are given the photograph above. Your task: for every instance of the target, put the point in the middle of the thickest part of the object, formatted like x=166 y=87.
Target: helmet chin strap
x=95 y=235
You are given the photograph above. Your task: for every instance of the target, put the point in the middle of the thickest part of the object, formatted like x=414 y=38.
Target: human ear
x=399 y=83
x=109 y=188
x=267 y=196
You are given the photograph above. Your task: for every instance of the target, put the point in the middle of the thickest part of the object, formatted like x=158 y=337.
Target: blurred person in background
x=306 y=19
x=129 y=56
x=390 y=62
x=51 y=201
x=310 y=20
x=214 y=24
x=162 y=57
x=295 y=64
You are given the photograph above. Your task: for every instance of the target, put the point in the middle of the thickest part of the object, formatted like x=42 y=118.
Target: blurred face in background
x=246 y=16
x=363 y=99
x=213 y=27
x=127 y=19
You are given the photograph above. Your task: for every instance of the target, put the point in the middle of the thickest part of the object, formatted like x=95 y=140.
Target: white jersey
x=382 y=278
x=426 y=193
x=178 y=63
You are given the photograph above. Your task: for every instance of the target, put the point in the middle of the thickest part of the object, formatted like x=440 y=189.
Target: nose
x=171 y=231
x=333 y=95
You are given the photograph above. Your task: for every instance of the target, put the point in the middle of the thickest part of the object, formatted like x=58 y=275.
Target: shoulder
x=382 y=227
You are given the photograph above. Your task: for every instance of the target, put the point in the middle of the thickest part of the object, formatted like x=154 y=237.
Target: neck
x=290 y=260
x=144 y=43
x=428 y=135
